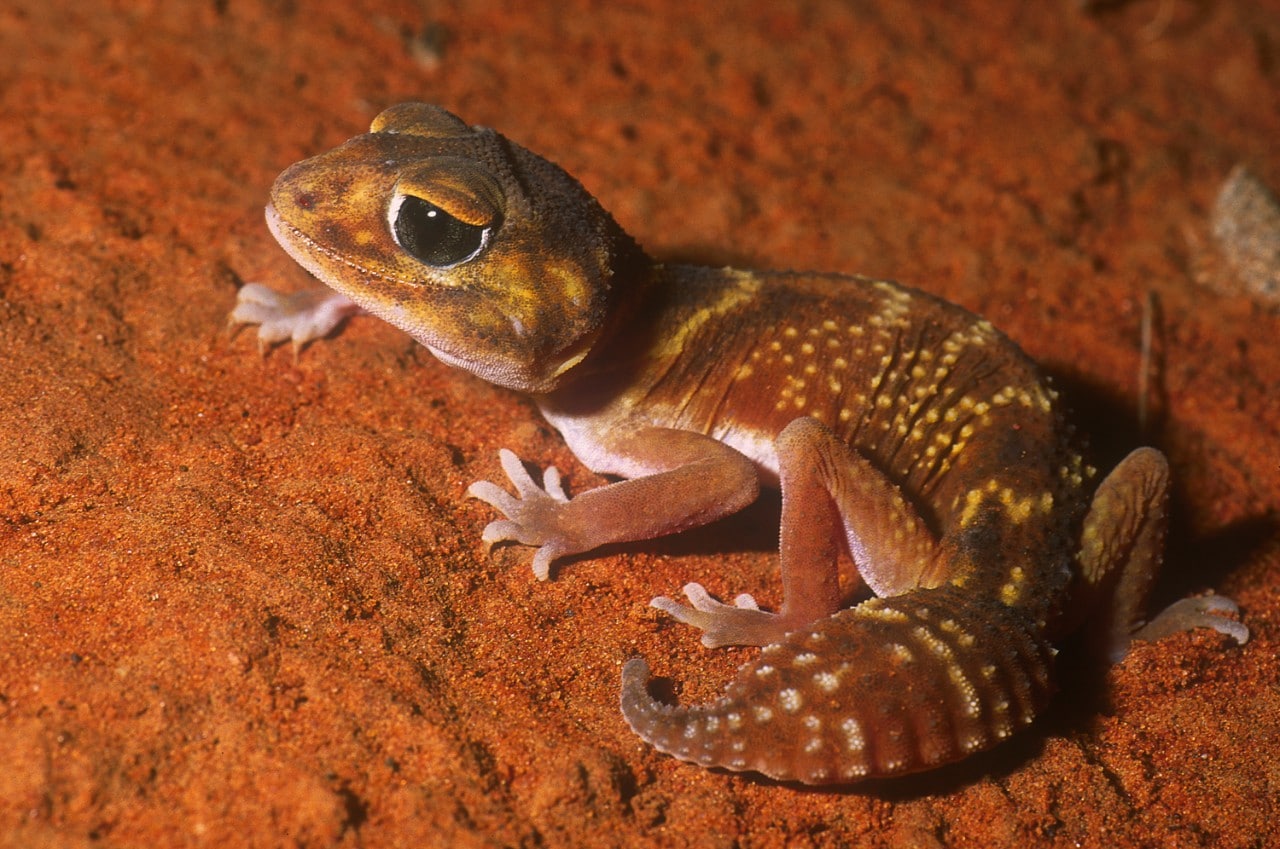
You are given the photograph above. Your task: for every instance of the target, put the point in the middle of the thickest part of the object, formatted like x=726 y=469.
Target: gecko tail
x=891 y=686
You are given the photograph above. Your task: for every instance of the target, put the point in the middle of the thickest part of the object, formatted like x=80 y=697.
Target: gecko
x=904 y=432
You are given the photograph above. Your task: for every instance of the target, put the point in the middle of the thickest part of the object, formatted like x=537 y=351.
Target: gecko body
x=900 y=428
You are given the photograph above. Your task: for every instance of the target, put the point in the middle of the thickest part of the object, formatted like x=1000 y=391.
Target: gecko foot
x=298 y=316
x=534 y=515
x=1197 y=612
x=742 y=623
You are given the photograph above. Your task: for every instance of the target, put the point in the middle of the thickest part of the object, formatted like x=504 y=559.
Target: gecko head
x=495 y=259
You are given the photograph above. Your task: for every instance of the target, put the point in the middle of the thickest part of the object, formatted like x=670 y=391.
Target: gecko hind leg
x=1120 y=554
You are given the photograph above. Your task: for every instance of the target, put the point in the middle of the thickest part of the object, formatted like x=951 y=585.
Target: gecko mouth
x=308 y=252
x=291 y=239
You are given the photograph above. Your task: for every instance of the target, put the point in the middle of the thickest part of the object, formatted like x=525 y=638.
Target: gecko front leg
x=682 y=480
x=298 y=316
x=829 y=492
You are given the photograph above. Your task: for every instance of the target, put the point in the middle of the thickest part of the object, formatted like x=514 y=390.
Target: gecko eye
x=432 y=235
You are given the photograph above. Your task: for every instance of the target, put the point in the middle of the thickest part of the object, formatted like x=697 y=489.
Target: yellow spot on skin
x=840 y=363
x=791 y=333
x=1018 y=510
x=744 y=372
x=968 y=693
x=962 y=637
x=884 y=614
x=806 y=348
x=830 y=326
x=1011 y=592
x=901 y=653
x=972 y=503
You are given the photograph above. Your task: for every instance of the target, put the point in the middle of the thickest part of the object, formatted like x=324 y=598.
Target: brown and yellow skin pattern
x=899 y=427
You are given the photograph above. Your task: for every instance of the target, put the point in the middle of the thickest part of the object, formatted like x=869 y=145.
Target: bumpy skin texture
x=899 y=427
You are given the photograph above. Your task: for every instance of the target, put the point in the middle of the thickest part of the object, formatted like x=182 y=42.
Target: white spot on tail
x=853 y=737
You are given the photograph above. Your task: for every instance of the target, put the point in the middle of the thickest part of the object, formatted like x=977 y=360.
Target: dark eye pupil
x=434 y=236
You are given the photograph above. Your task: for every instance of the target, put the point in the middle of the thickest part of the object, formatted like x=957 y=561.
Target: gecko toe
x=495 y=496
x=1188 y=614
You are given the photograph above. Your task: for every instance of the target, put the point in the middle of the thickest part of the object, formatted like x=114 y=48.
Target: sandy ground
x=244 y=601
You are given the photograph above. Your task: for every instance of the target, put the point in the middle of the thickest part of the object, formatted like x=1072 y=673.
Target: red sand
x=243 y=601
